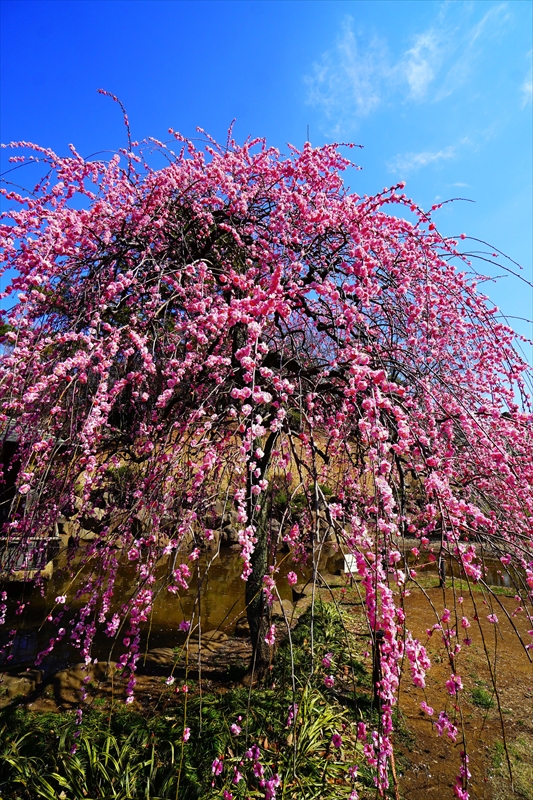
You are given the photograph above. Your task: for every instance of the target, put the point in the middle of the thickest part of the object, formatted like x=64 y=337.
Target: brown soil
x=430 y=763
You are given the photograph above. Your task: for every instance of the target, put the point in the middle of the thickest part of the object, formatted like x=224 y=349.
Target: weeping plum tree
x=236 y=327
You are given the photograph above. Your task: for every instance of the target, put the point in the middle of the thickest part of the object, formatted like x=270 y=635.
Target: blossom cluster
x=236 y=325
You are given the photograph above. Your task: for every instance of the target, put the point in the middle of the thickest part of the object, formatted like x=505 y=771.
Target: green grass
x=521 y=756
x=498 y=756
x=430 y=580
x=482 y=697
x=129 y=755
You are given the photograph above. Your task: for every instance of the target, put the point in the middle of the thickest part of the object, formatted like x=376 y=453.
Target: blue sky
x=439 y=93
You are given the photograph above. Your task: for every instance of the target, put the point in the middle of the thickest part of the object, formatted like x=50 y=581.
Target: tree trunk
x=257 y=611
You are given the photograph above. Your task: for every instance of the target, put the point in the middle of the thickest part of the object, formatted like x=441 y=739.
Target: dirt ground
x=430 y=763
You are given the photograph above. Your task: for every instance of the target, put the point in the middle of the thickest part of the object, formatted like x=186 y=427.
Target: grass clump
x=297 y=737
x=482 y=697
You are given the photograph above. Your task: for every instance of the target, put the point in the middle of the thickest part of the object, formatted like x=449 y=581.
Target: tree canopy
x=191 y=341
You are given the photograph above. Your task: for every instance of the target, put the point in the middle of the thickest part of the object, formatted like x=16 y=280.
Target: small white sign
x=350 y=564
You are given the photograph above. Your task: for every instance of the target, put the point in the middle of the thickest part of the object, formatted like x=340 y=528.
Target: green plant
x=522 y=767
x=131 y=755
x=498 y=755
x=482 y=697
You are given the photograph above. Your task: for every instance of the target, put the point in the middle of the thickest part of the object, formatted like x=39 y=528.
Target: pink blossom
x=336 y=740
x=217 y=766
x=293 y=711
x=270 y=638
x=186 y=734
x=454 y=684
x=444 y=725
x=292 y=578
x=253 y=752
x=461 y=793
x=271 y=786
x=326 y=661
x=329 y=681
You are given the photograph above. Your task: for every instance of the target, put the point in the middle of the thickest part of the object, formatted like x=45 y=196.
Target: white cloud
x=465 y=43
x=421 y=63
x=527 y=91
x=498 y=14
x=357 y=75
x=347 y=81
x=405 y=163
x=526 y=88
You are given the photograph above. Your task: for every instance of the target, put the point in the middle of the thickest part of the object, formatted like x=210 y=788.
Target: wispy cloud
x=420 y=63
x=406 y=163
x=349 y=76
x=464 y=44
x=499 y=14
x=527 y=91
x=526 y=88
x=358 y=74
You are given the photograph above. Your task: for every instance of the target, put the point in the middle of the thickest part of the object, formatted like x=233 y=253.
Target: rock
x=328 y=535
x=218 y=654
x=213 y=639
x=242 y=628
x=161 y=660
x=213 y=518
x=210 y=545
x=222 y=508
x=331 y=580
x=230 y=518
x=85 y=535
x=159 y=657
x=229 y=537
x=19 y=684
x=68 y=683
x=278 y=609
x=301 y=590
x=215 y=540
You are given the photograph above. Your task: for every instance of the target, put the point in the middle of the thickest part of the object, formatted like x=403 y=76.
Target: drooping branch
x=194 y=338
